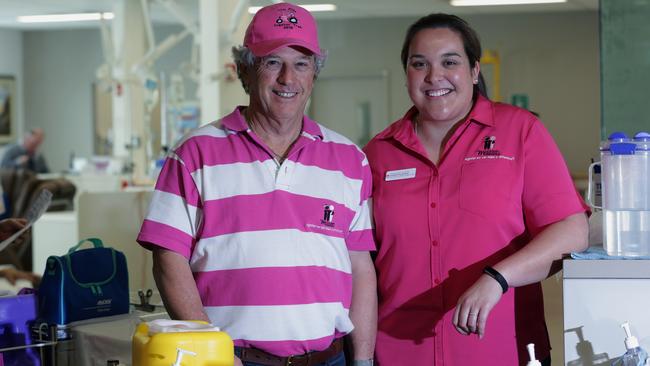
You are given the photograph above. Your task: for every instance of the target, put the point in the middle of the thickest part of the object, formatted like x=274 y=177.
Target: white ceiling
x=10 y=9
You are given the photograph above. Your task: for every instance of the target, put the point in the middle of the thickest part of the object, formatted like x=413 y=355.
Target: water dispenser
x=625 y=175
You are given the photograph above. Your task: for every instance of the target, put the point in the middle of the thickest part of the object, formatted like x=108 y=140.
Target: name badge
x=400 y=174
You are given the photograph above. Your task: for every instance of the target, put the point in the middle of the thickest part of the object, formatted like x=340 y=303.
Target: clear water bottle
x=626 y=194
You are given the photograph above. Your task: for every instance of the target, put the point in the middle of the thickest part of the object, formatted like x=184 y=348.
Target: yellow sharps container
x=164 y=342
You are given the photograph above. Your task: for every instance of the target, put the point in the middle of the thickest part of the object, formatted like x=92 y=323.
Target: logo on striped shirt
x=328 y=215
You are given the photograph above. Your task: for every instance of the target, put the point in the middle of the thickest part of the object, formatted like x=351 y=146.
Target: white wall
x=554 y=58
x=11 y=63
x=231 y=92
x=59 y=68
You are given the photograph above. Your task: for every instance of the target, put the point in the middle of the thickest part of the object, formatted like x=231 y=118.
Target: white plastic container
x=531 y=355
x=625 y=175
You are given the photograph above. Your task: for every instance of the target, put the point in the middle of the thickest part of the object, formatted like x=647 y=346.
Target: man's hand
x=21 y=160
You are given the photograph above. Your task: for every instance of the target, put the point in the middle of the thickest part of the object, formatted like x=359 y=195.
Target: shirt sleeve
x=12 y=153
x=549 y=194
x=173 y=217
x=360 y=236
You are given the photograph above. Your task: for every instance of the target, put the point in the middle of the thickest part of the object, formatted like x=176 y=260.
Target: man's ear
x=243 y=73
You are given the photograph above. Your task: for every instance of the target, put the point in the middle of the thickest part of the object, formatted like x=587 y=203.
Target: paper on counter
x=177 y=326
x=40 y=205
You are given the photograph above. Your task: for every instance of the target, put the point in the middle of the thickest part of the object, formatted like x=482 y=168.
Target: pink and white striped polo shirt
x=268 y=246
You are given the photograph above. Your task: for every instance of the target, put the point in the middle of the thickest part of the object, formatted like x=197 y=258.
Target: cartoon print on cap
x=287 y=18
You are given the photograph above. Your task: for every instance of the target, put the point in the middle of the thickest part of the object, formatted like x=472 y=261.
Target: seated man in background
x=26 y=155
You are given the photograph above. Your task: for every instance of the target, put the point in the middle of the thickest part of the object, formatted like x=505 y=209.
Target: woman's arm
x=532 y=263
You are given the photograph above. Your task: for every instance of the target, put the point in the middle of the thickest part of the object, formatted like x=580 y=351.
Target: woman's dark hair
x=471 y=42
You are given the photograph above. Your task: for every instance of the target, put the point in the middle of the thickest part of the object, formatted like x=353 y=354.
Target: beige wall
x=552 y=57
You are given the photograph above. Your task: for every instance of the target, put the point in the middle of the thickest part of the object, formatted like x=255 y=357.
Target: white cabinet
x=53 y=234
x=114 y=217
x=599 y=295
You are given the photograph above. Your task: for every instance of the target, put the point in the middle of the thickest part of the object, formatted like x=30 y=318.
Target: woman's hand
x=12 y=275
x=9 y=226
x=237 y=362
x=475 y=305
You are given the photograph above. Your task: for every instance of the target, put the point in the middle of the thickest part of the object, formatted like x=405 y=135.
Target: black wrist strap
x=497 y=277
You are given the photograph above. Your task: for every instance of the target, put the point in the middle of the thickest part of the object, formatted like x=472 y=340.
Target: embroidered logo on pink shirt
x=488 y=142
x=489 y=151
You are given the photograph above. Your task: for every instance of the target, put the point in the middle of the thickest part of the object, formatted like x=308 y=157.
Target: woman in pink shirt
x=473 y=206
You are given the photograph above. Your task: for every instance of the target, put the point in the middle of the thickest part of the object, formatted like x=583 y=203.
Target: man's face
x=33 y=140
x=282 y=83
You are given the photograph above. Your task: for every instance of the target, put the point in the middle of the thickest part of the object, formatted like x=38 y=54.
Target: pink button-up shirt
x=500 y=180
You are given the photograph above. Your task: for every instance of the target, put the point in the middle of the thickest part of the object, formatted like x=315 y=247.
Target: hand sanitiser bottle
x=635 y=355
x=531 y=353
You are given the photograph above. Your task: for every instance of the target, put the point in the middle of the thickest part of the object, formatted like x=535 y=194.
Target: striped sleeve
x=174 y=212
x=360 y=237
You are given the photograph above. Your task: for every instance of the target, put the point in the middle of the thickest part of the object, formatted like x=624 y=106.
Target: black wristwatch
x=497 y=277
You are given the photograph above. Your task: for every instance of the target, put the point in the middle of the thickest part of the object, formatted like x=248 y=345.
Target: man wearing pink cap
x=260 y=222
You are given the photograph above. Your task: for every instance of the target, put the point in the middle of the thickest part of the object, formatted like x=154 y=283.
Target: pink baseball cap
x=281 y=25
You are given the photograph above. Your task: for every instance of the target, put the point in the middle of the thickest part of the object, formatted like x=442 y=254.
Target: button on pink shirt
x=500 y=180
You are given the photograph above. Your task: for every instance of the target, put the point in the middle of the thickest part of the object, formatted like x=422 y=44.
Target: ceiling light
x=501 y=2
x=309 y=7
x=64 y=17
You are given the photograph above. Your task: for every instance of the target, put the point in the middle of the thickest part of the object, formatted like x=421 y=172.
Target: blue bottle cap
x=617 y=144
x=622 y=148
x=642 y=136
x=618 y=135
x=642 y=140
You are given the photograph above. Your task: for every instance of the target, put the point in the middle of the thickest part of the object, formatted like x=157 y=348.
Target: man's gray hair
x=243 y=56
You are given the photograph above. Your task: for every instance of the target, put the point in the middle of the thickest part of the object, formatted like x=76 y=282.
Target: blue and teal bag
x=84 y=284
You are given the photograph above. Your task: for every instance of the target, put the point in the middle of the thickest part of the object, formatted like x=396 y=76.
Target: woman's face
x=440 y=79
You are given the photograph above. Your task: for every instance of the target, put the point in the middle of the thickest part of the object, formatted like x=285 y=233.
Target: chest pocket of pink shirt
x=486 y=188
